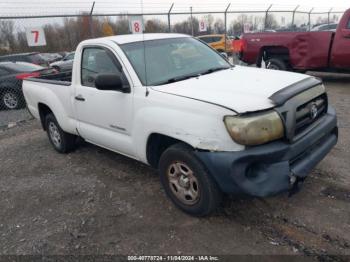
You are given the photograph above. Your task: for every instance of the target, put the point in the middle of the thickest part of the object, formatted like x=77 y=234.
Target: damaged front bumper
x=271 y=168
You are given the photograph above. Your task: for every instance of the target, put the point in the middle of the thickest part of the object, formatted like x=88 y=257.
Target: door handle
x=79 y=98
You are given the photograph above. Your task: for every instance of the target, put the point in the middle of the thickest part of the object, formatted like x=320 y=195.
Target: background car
x=217 y=42
x=33 y=58
x=66 y=64
x=325 y=27
x=11 y=76
x=52 y=57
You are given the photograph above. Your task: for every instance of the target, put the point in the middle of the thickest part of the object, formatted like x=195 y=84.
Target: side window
x=348 y=27
x=95 y=61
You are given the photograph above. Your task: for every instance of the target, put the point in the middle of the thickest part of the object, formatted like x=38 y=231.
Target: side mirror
x=110 y=82
x=224 y=55
x=345 y=32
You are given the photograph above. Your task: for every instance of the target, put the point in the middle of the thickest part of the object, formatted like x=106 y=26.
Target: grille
x=310 y=112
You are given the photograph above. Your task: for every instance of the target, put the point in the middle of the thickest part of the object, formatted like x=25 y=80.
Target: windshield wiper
x=181 y=78
x=177 y=79
x=215 y=69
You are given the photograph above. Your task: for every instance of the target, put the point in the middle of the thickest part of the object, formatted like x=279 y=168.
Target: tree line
x=67 y=35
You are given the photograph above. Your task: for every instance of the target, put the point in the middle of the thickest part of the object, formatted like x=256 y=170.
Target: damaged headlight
x=255 y=129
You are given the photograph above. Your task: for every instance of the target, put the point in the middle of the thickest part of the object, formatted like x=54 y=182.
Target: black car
x=11 y=76
x=33 y=58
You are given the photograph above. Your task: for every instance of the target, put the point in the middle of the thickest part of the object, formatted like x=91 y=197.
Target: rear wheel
x=11 y=100
x=276 y=64
x=187 y=182
x=62 y=142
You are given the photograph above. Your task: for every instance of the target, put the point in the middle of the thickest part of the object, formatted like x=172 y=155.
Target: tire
x=276 y=64
x=60 y=140
x=11 y=100
x=187 y=182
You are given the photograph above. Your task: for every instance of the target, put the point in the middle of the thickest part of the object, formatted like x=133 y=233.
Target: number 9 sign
x=136 y=26
x=202 y=26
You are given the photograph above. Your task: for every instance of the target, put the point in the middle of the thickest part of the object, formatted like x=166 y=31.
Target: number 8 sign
x=35 y=36
x=136 y=26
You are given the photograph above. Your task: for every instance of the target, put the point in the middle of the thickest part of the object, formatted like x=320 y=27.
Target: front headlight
x=255 y=130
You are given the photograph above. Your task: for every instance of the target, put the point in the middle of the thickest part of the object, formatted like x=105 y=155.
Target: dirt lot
x=93 y=201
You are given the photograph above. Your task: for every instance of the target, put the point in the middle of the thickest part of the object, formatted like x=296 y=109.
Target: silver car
x=66 y=64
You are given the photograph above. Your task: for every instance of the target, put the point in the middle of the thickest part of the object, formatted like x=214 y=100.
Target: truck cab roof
x=131 y=38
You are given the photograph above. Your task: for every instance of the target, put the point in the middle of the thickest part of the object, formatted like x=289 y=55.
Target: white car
x=172 y=102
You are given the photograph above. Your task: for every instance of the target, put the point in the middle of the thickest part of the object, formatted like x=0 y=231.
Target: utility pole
x=169 y=25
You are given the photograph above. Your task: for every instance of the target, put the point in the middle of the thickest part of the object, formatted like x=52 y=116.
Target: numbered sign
x=35 y=36
x=246 y=28
x=202 y=26
x=136 y=25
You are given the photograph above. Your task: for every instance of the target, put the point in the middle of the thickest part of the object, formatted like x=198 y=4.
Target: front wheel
x=187 y=182
x=60 y=140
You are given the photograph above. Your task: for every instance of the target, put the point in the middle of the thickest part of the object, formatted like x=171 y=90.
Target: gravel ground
x=93 y=201
x=12 y=116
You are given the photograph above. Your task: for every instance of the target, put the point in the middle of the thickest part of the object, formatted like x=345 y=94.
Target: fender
x=182 y=119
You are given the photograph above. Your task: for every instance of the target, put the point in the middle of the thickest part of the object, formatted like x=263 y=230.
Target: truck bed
x=54 y=90
x=64 y=78
x=306 y=49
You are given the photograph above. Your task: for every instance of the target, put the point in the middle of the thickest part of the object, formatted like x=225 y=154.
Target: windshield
x=69 y=57
x=170 y=60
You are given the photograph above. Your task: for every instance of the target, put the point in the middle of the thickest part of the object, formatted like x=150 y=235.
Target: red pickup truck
x=300 y=51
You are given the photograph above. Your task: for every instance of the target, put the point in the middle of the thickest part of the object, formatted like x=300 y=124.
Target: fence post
x=191 y=21
x=266 y=14
x=169 y=25
x=294 y=15
x=90 y=20
x=329 y=13
x=228 y=6
x=310 y=19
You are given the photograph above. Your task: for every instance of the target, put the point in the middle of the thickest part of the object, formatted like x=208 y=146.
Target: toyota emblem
x=313 y=111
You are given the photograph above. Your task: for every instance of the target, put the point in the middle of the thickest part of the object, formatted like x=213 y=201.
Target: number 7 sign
x=35 y=36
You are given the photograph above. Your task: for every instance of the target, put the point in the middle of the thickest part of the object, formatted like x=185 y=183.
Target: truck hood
x=242 y=89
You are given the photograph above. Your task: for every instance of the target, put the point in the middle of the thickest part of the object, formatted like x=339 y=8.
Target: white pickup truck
x=172 y=102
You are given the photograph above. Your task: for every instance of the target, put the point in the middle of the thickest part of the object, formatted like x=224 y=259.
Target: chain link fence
x=18 y=60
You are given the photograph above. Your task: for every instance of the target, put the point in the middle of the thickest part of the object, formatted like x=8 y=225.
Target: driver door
x=104 y=116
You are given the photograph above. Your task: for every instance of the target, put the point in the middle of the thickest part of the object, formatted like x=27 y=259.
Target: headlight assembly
x=256 y=129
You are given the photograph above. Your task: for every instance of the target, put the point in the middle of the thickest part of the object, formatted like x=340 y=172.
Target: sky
x=36 y=7
x=15 y=8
